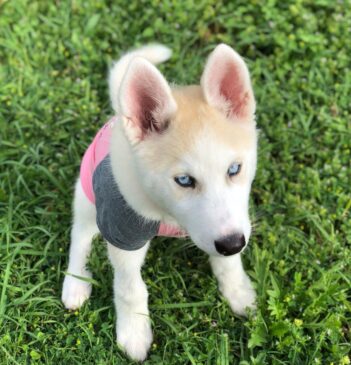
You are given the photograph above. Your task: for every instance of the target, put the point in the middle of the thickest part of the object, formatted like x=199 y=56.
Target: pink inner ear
x=145 y=97
x=232 y=88
x=145 y=106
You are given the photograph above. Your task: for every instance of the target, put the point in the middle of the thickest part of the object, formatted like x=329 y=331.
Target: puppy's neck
x=126 y=176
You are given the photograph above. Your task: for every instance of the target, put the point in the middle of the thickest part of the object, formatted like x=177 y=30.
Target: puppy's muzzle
x=230 y=245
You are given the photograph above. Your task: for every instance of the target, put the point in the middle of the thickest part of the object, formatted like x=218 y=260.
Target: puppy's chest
x=118 y=223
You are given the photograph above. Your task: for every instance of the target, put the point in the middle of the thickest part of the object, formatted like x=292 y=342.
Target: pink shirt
x=95 y=153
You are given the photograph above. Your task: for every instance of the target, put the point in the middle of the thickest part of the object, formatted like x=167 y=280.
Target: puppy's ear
x=226 y=84
x=145 y=100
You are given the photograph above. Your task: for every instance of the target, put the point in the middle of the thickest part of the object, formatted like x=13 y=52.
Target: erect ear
x=145 y=99
x=226 y=84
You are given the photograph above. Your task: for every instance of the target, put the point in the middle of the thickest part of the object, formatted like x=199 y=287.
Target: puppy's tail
x=154 y=53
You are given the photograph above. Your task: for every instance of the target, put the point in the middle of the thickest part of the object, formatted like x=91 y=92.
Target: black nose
x=231 y=244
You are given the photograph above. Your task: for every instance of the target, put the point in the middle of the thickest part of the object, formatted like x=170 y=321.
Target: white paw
x=75 y=291
x=240 y=298
x=134 y=335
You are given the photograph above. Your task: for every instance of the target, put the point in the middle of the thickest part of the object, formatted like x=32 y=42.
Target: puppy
x=172 y=161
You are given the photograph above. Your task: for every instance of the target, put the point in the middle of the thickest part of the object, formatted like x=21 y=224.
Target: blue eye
x=234 y=169
x=185 y=181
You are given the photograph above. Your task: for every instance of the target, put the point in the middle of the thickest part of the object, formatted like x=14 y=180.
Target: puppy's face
x=195 y=148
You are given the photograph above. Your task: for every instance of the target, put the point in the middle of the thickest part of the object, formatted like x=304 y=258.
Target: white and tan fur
x=194 y=130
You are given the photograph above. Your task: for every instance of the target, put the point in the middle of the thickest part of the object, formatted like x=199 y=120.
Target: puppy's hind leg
x=75 y=291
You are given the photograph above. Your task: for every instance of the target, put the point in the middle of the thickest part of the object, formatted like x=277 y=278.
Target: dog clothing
x=118 y=223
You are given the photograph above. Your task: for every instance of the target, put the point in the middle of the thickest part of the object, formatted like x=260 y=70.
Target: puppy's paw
x=75 y=291
x=134 y=335
x=240 y=297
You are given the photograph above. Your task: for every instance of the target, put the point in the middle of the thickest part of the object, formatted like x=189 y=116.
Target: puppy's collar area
x=118 y=223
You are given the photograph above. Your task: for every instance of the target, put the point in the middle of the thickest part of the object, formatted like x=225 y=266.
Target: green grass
x=53 y=96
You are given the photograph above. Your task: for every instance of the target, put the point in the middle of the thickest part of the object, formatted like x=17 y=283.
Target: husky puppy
x=173 y=161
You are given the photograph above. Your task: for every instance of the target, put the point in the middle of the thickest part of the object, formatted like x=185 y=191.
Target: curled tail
x=154 y=53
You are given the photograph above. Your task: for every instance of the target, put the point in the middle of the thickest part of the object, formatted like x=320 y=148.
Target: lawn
x=54 y=57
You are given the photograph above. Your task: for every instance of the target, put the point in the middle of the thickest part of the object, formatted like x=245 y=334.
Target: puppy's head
x=195 y=147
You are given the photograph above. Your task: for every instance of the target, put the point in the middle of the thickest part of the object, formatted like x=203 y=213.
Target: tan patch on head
x=193 y=116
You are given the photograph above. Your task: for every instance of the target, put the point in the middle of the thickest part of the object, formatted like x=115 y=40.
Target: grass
x=53 y=96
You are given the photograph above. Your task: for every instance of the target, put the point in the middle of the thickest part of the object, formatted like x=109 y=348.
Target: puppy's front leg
x=133 y=323
x=233 y=282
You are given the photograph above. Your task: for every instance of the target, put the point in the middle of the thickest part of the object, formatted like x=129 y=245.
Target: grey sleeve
x=118 y=223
